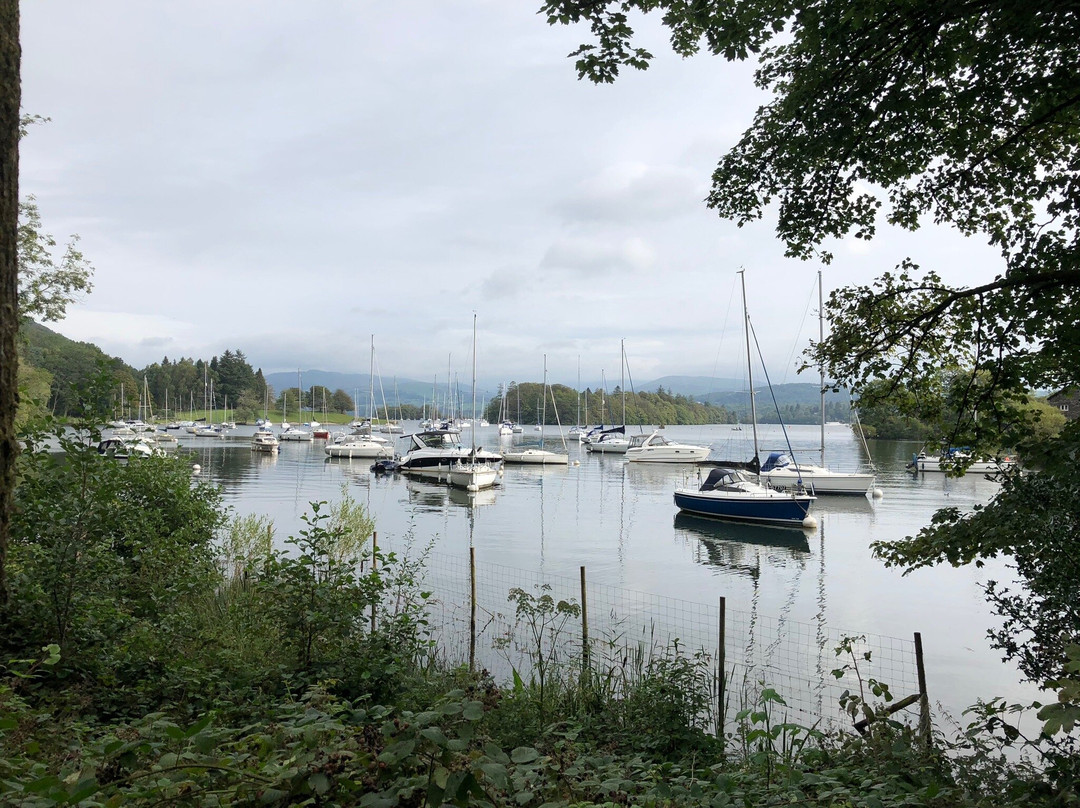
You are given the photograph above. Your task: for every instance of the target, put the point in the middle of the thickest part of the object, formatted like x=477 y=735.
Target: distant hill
x=69 y=364
x=409 y=391
x=727 y=393
x=690 y=385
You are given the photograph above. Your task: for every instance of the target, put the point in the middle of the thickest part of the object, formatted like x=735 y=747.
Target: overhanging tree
x=961 y=113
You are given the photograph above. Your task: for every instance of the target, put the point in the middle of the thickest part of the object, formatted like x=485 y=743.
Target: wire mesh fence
x=508 y=620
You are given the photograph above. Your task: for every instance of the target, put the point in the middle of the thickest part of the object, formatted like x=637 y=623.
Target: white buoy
x=809 y=522
x=877 y=493
x=576 y=463
x=195 y=468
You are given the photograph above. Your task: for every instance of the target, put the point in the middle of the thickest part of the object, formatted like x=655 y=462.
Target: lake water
x=619 y=522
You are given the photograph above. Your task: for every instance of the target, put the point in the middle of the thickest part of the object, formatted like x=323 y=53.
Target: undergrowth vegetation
x=158 y=653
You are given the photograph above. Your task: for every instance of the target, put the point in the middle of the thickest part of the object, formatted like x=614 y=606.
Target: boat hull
x=783 y=509
x=370 y=451
x=608 y=447
x=536 y=457
x=667 y=454
x=472 y=476
x=826 y=482
x=934 y=464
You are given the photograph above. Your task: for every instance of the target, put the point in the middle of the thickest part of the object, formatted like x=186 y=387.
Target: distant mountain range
x=729 y=393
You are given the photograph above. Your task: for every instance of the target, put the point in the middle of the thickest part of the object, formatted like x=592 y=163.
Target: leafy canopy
x=961 y=113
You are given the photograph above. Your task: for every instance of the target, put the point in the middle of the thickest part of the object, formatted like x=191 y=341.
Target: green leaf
x=175 y=732
x=82 y=790
x=198 y=726
x=396 y=752
x=435 y=735
x=524 y=754
x=319 y=783
x=473 y=711
x=496 y=772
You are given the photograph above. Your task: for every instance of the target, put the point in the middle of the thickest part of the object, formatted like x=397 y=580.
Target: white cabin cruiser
x=432 y=454
x=655 y=448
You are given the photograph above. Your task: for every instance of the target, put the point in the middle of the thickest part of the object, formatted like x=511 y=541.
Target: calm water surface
x=618 y=520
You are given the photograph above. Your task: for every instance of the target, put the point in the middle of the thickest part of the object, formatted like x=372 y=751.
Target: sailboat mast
x=578 y=415
x=750 y=367
x=821 y=365
x=603 y=389
x=473 y=430
x=371 y=385
x=622 y=377
x=543 y=410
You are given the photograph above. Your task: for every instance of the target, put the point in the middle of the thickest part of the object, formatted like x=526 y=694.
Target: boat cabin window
x=437 y=440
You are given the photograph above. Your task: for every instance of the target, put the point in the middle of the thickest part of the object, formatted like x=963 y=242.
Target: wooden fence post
x=584 y=623
x=924 y=700
x=472 y=608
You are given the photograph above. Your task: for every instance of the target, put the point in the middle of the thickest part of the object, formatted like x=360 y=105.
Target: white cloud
x=288 y=179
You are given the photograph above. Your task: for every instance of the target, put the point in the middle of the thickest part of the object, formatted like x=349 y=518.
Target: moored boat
x=953 y=459
x=655 y=448
x=264 y=440
x=733 y=494
x=783 y=473
x=358 y=445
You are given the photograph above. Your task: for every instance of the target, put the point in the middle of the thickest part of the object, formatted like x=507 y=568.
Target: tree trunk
x=10 y=97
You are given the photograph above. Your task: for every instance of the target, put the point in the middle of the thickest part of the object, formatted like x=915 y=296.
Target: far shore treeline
x=53 y=369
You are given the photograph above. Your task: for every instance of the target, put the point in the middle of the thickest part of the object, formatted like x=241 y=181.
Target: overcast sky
x=291 y=178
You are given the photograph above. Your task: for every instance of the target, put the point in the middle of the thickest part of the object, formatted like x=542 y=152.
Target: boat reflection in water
x=729 y=544
x=471 y=499
x=436 y=496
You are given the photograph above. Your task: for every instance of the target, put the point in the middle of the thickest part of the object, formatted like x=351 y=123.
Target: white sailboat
x=539 y=456
x=295 y=433
x=783 y=473
x=732 y=493
x=473 y=474
x=613 y=440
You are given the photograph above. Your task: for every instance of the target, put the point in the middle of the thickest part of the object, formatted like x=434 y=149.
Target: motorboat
x=784 y=474
x=655 y=448
x=264 y=440
x=951 y=459
x=294 y=433
x=358 y=444
x=535 y=456
x=126 y=449
x=734 y=494
x=432 y=453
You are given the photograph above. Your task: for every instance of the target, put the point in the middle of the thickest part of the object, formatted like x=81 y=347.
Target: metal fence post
x=374 y=569
x=721 y=688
